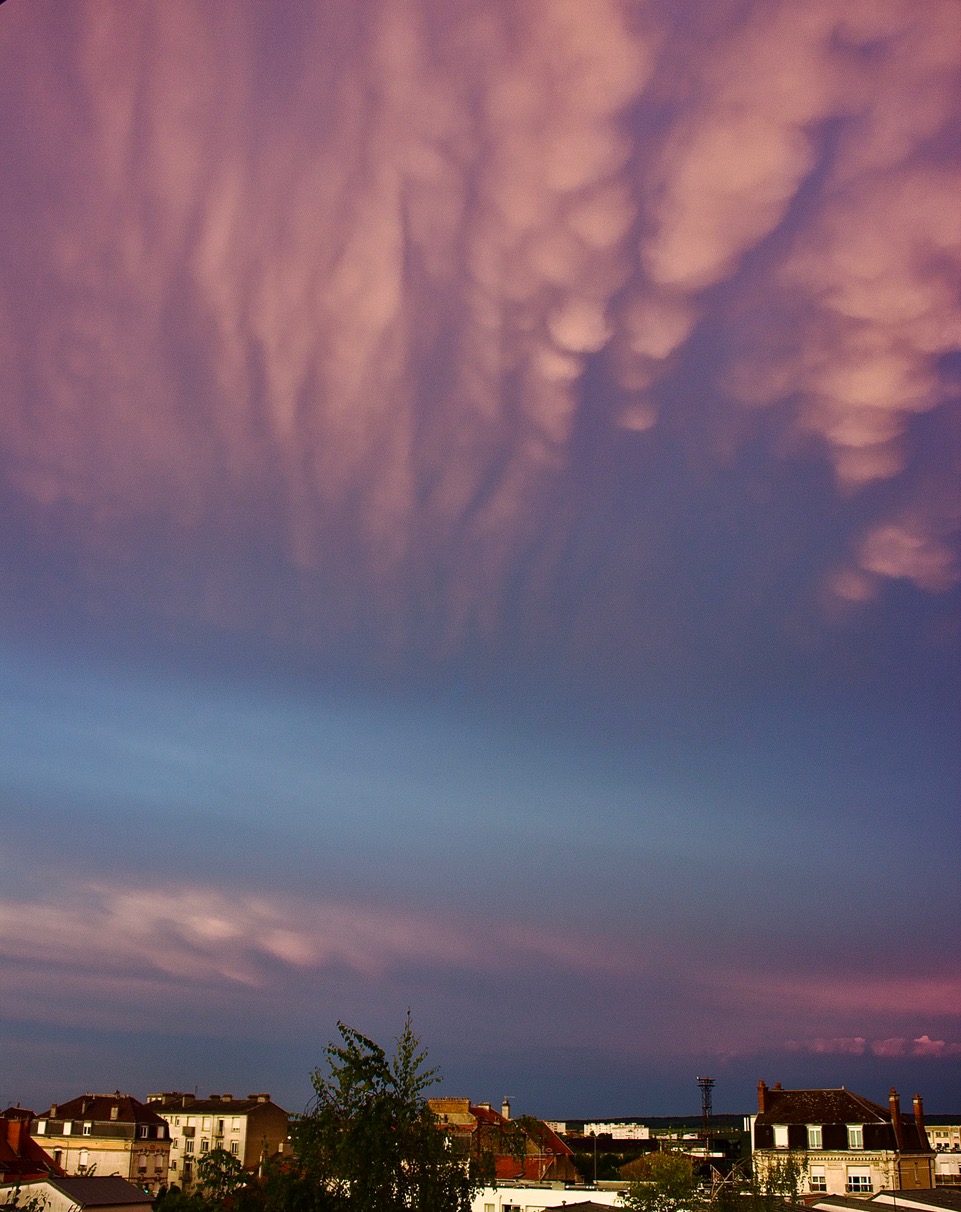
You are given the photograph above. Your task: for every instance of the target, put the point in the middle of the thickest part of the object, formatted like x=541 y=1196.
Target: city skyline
x=479 y=530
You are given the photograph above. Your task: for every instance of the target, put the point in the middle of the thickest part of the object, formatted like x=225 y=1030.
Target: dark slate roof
x=100 y=1192
x=98 y=1107
x=821 y=1107
x=587 y=1205
x=937 y=1198
x=173 y=1102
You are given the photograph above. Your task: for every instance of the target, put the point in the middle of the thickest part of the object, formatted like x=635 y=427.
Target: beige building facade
x=842 y=1143
x=252 y=1129
x=104 y=1135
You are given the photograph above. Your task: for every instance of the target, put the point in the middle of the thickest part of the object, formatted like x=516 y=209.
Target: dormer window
x=814 y=1136
x=87 y=1129
x=143 y=1130
x=780 y=1136
x=41 y=1127
x=855 y=1136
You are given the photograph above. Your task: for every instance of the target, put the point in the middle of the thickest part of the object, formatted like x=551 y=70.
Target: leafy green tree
x=779 y=1182
x=220 y=1174
x=369 y=1139
x=662 y=1182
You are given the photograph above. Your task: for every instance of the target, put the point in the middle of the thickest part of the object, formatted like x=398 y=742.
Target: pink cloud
x=925 y=1046
x=893 y=1046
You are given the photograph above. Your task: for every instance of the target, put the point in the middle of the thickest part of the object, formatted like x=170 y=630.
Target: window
x=235 y=1124
x=859 y=1180
x=234 y=1147
x=780 y=1136
x=206 y=1123
x=143 y=1131
x=84 y=1157
x=855 y=1136
x=488 y=1208
x=814 y=1136
x=818 y=1180
x=87 y=1129
x=220 y=1127
x=142 y=1162
x=67 y=1127
x=204 y=1146
x=173 y=1166
x=188 y=1146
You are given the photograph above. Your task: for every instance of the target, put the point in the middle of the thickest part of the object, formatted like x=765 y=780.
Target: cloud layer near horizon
x=330 y=286
x=199 y=951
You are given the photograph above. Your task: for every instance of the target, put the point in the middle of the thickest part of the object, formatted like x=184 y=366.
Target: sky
x=479 y=510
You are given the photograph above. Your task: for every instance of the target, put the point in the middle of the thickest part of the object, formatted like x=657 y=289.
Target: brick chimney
x=919 y=1121
x=15 y=1134
x=761 y=1096
x=894 y=1102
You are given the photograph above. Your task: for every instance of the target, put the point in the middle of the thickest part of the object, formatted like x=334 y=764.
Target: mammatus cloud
x=335 y=291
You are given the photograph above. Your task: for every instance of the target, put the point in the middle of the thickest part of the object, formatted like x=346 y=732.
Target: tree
x=370 y=1141
x=777 y=1183
x=662 y=1182
x=220 y=1174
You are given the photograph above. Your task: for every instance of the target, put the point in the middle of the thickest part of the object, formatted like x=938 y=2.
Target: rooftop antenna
x=707 y=1095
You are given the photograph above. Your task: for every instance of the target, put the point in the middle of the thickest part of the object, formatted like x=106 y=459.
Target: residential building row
x=840 y=1144
x=153 y=1144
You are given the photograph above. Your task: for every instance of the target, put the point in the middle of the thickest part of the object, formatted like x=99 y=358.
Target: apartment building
x=845 y=1144
x=104 y=1135
x=252 y=1129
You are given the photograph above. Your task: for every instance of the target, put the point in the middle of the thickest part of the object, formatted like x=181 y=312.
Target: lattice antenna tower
x=707 y=1098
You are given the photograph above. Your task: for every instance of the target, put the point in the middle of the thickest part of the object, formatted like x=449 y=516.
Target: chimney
x=761 y=1097
x=226 y=1097
x=506 y=1108
x=919 y=1121
x=53 y=1109
x=15 y=1131
x=894 y=1103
